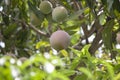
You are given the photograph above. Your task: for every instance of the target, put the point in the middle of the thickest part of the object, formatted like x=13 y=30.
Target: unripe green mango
x=59 y=14
x=45 y=7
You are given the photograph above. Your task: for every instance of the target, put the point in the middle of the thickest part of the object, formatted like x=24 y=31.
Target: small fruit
x=59 y=14
x=59 y=40
x=45 y=7
x=118 y=37
x=34 y=19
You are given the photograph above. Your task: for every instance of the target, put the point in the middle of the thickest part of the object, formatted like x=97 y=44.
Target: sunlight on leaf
x=41 y=44
x=64 y=53
x=87 y=72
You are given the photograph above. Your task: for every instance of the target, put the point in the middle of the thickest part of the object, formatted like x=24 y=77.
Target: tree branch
x=27 y=25
x=38 y=31
x=76 y=5
x=95 y=44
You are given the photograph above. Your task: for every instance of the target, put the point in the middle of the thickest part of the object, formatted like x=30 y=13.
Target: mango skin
x=59 y=14
x=118 y=37
x=59 y=40
x=45 y=7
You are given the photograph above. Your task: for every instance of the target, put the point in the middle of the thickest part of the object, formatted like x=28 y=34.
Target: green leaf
x=1 y=1
x=90 y=3
x=117 y=76
x=58 y=76
x=75 y=38
x=5 y=19
x=71 y=32
x=107 y=34
x=102 y=19
x=64 y=52
x=85 y=52
x=110 y=3
x=9 y=30
x=5 y=73
x=20 y=38
x=116 y=5
x=110 y=69
x=81 y=77
x=41 y=44
x=75 y=63
x=104 y=2
x=76 y=14
x=72 y=25
x=68 y=72
x=36 y=11
x=87 y=72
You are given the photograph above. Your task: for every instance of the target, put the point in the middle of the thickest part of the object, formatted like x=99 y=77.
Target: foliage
x=25 y=51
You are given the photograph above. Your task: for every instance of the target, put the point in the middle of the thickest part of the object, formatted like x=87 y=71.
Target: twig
x=27 y=25
x=85 y=30
x=38 y=31
x=76 y=4
x=92 y=30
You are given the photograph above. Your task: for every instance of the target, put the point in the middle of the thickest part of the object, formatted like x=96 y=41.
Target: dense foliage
x=93 y=52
